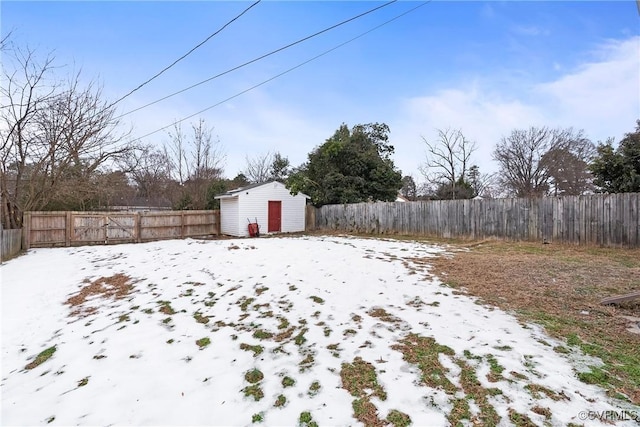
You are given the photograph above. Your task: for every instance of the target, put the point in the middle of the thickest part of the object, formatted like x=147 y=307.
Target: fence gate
x=100 y=227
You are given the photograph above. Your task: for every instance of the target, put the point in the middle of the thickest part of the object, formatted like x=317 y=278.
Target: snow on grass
x=282 y=331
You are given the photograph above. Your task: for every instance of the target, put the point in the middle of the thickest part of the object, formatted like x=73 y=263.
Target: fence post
x=68 y=227
x=138 y=227
x=182 y=224
x=26 y=230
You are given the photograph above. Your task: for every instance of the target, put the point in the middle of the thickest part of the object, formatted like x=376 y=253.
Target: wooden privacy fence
x=11 y=242
x=46 y=229
x=599 y=219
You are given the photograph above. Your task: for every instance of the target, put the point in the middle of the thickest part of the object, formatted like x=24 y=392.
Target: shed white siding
x=253 y=204
x=229 y=221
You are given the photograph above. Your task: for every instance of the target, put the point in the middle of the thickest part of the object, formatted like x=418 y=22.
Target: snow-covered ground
x=135 y=361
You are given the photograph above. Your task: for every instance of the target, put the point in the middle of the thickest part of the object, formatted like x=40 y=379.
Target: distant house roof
x=235 y=192
x=401 y=198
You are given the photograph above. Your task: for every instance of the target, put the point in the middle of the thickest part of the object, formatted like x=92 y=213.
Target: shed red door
x=275 y=216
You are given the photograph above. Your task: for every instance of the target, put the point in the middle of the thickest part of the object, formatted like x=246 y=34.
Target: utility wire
x=284 y=72
x=187 y=54
x=257 y=59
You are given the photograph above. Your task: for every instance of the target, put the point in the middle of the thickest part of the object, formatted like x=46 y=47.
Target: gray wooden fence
x=599 y=219
x=11 y=243
x=47 y=229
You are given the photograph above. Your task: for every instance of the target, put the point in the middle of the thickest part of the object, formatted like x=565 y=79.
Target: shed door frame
x=274 y=220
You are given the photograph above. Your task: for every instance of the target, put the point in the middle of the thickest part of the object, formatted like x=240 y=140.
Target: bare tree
x=54 y=136
x=150 y=170
x=196 y=163
x=197 y=157
x=448 y=160
x=530 y=158
x=568 y=164
x=258 y=167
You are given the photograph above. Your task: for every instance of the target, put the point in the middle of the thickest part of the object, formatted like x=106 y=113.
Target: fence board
x=46 y=229
x=600 y=219
x=10 y=243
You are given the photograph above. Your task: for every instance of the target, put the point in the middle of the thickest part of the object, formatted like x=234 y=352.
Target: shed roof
x=235 y=192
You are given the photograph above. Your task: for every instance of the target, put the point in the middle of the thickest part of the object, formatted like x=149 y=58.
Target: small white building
x=269 y=203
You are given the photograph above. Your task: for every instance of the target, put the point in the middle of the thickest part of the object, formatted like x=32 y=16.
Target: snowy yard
x=279 y=331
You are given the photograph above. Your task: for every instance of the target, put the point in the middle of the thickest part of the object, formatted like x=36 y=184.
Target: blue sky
x=483 y=67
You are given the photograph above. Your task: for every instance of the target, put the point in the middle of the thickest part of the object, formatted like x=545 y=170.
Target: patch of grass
x=349 y=332
x=300 y=339
x=261 y=334
x=518 y=375
x=316 y=299
x=327 y=331
x=398 y=419
x=460 y=411
x=546 y=412
x=383 y=315
x=165 y=308
x=425 y=353
x=366 y=412
x=200 y=318
x=42 y=357
x=471 y=356
x=261 y=290
x=306 y=420
x=538 y=390
x=51 y=419
x=83 y=382
x=254 y=376
x=307 y=362
x=257 y=418
x=473 y=388
x=170 y=341
x=254 y=391
x=284 y=322
x=288 y=382
x=123 y=318
x=561 y=349
x=293 y=288
x=281 y=400
x=597 y=376
x=166 y=320
x=256 y=349
x=359 y=376
x=245 y=302
x=148 y=310
x=203 y=342
x=495 y=369
x=503 y=347
x=520 y=420
x=314 y=388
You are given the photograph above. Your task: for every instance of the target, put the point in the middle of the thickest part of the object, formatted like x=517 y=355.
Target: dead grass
x=560 y=288
x=116 y=287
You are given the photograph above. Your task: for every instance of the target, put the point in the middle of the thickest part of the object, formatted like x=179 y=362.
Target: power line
x=187 y=54
x=258 y=58
x=284 y=72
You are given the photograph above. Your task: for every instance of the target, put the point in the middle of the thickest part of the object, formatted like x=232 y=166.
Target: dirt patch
x=114 y=287
x=560 y=287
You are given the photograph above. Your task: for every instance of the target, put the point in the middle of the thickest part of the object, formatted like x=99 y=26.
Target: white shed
x=270 y=203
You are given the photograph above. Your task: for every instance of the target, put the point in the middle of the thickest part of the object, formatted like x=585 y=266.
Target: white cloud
x=530 y=30
x=601 y=96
